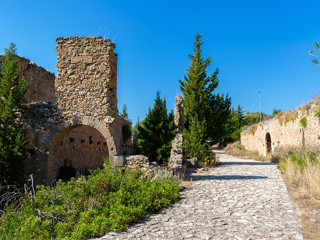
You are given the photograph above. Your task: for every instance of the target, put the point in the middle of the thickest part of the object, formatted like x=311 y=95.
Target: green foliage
x=303 y=122
x=275 y=112
x=108 y=200
x=124 y=113
x=12 y=142
x=205 y=112
x=156 y=132
x=194 y=144
x=315 y=54
x=238 y=121
x=126 y=132
x=300 y=160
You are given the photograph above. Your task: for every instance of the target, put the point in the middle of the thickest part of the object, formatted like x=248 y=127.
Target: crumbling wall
x=86 y=84
x=84 y=107
x=178 y=112
x=40 y=82
x=176 y=154
x=285 y=131
x=87 y=80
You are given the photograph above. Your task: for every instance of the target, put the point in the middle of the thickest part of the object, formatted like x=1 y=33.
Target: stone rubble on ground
x=242 y=199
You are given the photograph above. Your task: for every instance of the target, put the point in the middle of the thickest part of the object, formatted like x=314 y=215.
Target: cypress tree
x=12 y=143
x=156 y=132
x=205 y=111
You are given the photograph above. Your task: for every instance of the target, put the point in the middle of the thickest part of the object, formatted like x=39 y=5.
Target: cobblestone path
x=242 y=199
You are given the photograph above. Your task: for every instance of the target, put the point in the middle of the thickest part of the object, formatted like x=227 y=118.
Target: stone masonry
x=178 y=112
x=176 y=154
x=73 y=117
x=283 y=131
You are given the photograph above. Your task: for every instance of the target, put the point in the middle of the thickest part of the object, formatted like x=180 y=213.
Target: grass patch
x=251 y=129
x=302 y=170
x=286 y=116
x=108 y=200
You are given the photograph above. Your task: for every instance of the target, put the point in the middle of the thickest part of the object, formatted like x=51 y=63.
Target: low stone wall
x=284 y=130
x=133 y=161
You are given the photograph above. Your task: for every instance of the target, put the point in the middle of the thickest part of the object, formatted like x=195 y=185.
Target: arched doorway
x=79 y=147
x=268 y=143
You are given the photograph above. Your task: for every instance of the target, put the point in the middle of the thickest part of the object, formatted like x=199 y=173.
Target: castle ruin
x=72 y=118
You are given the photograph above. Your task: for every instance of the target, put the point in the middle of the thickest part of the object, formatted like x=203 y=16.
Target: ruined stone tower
x=79 y=124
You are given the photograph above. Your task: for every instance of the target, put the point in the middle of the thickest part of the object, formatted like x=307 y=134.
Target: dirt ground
x=308 y=212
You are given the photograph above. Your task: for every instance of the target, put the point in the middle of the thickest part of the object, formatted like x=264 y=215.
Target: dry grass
x=286 y=116
x=167 y=173
x=303 y=171
x=251 y=129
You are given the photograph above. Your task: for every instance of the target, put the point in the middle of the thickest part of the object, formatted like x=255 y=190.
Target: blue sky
x=257 y=45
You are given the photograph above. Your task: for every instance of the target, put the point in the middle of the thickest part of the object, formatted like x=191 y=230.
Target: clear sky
x=256 y=45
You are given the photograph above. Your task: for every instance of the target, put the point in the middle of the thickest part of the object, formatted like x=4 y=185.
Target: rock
x=176 y=155
x=192 y=163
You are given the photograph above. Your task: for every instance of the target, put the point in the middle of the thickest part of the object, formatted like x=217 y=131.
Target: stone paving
x=242 y=199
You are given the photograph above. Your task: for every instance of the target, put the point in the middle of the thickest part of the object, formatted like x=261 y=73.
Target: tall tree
x=12 y=143
x=156 y=132
x=205 y=111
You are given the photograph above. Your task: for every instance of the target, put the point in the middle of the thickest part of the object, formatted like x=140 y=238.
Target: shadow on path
x=248 y=163
x=227 y=177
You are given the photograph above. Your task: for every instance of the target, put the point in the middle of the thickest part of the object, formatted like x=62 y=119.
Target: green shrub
x=80 y=209
x=299 y=159
x=126 y=132
x=303 y=122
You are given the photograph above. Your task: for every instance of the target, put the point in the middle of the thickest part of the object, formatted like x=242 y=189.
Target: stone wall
x=87 y=80
x=134 y=161
x=82 y=147
x=40 y=82
x=284 y=130
x=80 y=124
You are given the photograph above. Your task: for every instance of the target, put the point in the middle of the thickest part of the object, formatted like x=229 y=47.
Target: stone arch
x=268 y=144
x=93 y=139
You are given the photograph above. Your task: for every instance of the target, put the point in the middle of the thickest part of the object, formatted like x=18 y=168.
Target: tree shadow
x=248 y=163
x=232 y=177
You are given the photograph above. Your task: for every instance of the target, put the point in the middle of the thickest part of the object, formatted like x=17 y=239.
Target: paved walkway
x=242 y=199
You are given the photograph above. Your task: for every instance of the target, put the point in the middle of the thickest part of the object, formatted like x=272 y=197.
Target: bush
x=79 y=209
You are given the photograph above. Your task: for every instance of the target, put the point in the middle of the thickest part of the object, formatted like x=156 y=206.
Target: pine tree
x=156 y=132
x=205 y=112
x=12 y=143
